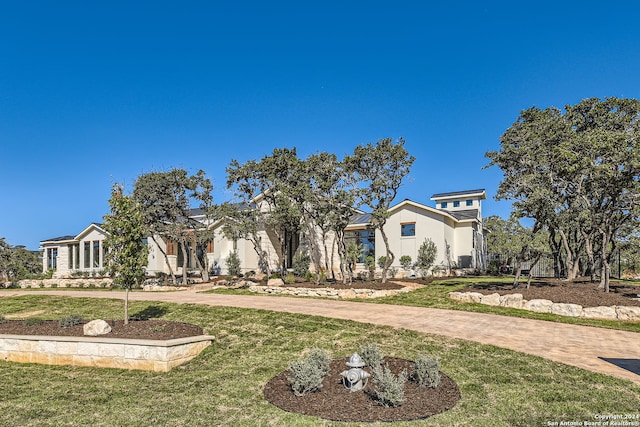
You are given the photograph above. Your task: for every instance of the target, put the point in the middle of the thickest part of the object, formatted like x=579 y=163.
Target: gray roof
x=360 y=218
x=464 y=214
x=457 y=193
x=60 y=239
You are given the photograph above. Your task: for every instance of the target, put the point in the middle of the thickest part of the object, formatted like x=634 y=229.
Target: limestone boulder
x=570 y=310
x=599 y=313
x=628 y=313
x=491 y=299
x=471 y=297
x=275 y=283
x=96 y=327
x=512 y=301
x=457 y=296
x=539 y=305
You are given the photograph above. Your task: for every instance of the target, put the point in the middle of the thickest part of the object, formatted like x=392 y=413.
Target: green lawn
x=223 y=386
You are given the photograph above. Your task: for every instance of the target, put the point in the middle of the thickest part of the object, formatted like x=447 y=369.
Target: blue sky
x=93 y=93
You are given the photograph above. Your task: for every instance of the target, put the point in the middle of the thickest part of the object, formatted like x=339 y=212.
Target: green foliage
x=33 y=321
x=382 y=261
x=371 y=355
x=306 y=376
x=290 y=279
x=17 y=263
x=69 y=321
x=233 y=264
x=426 y=256
x=406 y=262
x=389 y=388
x=301 y=263
x=2 y=319
x=427 y=371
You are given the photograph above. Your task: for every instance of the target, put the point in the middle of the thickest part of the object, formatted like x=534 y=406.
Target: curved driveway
x=581 y=346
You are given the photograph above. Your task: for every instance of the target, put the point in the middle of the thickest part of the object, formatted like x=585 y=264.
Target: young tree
x=427 y=254
x=381 y=168
x=126 y=253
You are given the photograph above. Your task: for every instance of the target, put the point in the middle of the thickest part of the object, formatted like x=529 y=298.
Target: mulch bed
x=334 y=402
x=581 y=292
x=151 y=329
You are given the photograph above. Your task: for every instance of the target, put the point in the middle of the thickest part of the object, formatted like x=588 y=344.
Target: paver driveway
x=581 y=346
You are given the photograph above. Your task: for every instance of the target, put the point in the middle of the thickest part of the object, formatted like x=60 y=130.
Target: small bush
x=301 y=262
x=306 y=376
x=69 y=321
x=406 y=262
x=233 y=264
x=389 y=388
x=427 y=372
x=67 y=285
x=2 y=319
x=41 y=285
x=290 y=279
x=371 y=355
x=54 y=285
x=33 y=322
x=92 y=285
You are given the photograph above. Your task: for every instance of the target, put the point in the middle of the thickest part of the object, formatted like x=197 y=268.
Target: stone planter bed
x=328 y=292
x=516 y=300
x=117 y=351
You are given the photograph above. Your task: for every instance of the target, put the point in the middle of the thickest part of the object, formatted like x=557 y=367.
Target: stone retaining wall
x=546 y=306
x=148 y=355
x=327 y=292
x=101 y=282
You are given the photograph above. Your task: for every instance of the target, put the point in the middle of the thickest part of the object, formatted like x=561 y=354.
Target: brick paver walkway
x=581 y=346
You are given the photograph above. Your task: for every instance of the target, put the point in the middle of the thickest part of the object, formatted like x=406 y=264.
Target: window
x=469 y=202
x=87 y=254
x=443 y=205
x=364 y=237
x=74 y=256
x=96 y=253
x=52 y=258
x=408 y=230
x=456 y=204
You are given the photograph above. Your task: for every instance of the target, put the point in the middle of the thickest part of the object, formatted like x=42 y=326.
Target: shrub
x=67 y=285
x=389 y=388
x=405 y=262
x=233 y=264
x=427 y=372
x=69 y=321
x=41 y=285
x=249 y=274
x=306 y=376
x=371 y=355
x=289 y=279
x=54 y=285
x=301 y=262
x=33 y=322
x=2 y=319
x=382 y=261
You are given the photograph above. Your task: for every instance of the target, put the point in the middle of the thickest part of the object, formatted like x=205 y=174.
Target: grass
x=223 y=386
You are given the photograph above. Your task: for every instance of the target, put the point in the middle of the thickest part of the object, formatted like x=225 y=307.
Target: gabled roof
x=77 y=237
x=460 y=194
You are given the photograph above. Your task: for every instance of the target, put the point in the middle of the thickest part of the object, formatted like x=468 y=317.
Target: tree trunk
x=605 y=269
x=185 y=260
x=533 y=264
x=126 y=305
x=390 y=257
x=166 y=259
x=571 y=261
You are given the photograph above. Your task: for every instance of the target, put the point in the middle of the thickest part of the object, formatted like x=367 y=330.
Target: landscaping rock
x=512 y=301
x=570 y=310
x=628 y=313
x=599 y=313
x=492 y=299
x=539 y=305
x=275 y=283
x=456 y=296
x=96 y=327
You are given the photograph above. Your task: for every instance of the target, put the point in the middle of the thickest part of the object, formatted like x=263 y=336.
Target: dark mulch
x=152 y=329
x=335 y=402
x=581 y=292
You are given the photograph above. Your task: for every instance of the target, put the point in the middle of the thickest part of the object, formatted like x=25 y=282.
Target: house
x=454 y=225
